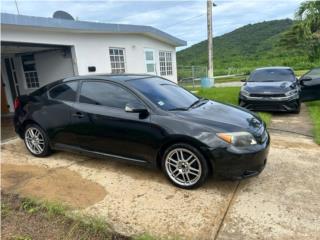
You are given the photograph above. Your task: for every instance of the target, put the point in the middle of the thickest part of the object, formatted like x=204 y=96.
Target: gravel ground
x=137 y=199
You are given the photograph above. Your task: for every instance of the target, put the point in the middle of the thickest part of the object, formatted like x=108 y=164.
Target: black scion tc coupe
x=145 y=120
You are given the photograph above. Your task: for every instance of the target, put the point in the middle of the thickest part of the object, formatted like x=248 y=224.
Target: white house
x=37 y=50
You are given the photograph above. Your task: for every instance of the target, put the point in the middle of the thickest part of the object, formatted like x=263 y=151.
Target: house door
x=4 y=103
x=12 y=76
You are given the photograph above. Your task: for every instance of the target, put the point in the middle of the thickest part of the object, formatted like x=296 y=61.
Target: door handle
x=78 y=115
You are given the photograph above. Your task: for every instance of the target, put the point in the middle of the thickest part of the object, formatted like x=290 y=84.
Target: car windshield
x=272 y=75
x=314 y=73
x=163 y=93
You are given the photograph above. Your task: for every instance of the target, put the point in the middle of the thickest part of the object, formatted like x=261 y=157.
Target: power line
x=187 y=19
x=15 y=1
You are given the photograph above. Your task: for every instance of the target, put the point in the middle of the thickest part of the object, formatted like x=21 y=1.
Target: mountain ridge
x=245 y=48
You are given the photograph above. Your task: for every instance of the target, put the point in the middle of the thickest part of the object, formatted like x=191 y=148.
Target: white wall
x=92 y=49
x=52 y=66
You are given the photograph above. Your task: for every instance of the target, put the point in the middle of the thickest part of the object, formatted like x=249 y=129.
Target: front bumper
x=239 y=163
x=286 y=105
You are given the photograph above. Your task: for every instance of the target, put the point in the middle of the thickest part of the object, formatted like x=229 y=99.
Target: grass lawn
x=27 y=219
x=230 y=79
x=314 y=111
x=228 y=95
x=299 y=73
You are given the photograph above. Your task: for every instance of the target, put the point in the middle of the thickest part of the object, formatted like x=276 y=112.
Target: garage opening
x=27 y=66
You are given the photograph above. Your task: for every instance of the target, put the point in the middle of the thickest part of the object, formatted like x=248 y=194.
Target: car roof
x=275 y=68
x=112 y=77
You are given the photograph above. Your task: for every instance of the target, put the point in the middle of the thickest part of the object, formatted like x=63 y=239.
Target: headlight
x=244 y=93
x=291 y=92
x=239 y=139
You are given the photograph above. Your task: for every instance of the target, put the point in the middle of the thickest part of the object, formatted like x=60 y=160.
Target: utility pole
x=209 y=23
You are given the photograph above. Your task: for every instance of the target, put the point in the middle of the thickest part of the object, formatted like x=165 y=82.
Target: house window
x=165 y=59
x=150 y=61
x=30 y=72
x=117 y=60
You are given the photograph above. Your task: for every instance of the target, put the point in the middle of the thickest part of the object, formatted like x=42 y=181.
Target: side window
x=315 y=75
x=106 y=94
x=150 y=61
x=64 y=91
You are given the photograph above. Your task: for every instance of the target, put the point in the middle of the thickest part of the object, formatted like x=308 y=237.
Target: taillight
x=17 y=103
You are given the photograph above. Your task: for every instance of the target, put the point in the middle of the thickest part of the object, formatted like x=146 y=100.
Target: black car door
x=310 y=85
x=103 y=125
x=56 y=113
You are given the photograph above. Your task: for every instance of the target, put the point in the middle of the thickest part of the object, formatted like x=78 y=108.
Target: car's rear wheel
x=185 y=166
x=36 y=141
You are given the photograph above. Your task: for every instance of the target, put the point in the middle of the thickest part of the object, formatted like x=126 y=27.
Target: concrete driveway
x=281 y=203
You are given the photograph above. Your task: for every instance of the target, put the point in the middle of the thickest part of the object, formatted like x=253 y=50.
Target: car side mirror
x=305 y=79
x=243 y=80
x=137 y=108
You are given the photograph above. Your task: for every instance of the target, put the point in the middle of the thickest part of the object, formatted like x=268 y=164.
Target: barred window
x=30 y=71
x=117 y=60
x=165 y=60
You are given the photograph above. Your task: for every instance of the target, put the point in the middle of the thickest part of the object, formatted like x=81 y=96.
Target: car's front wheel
x=297 y=110
x=185 y=166
x=36 y=140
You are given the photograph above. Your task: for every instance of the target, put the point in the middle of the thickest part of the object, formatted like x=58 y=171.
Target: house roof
x=88 y=27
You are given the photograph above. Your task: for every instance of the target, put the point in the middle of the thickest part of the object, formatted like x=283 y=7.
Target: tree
x=305 y=34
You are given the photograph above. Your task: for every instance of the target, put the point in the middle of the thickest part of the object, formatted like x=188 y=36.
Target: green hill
x=246 y=48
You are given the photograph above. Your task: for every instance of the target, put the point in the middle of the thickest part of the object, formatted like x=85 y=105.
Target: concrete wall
x=93 y=49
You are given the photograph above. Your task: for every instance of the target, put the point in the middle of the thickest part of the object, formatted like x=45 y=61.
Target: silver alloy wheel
x=183 y=167
x=34 y=140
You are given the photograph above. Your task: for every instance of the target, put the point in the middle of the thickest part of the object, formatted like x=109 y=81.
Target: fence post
x=192 y=67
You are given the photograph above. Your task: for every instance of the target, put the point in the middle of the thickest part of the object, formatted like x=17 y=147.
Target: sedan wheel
x=185 y=166
x=36 y=141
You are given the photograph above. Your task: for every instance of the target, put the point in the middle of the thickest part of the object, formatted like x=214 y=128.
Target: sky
x=182 y=19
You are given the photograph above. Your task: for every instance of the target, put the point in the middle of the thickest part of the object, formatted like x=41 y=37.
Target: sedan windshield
x=272 y=75
x=163 y=93
x=314 y=73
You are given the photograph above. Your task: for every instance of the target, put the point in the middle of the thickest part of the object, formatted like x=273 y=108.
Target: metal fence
x=190 y=76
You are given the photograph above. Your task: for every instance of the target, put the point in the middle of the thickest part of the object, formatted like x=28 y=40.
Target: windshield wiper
x=178 y=109
x=197 y=102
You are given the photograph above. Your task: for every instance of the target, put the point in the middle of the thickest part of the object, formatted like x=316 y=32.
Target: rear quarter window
x=64 y=92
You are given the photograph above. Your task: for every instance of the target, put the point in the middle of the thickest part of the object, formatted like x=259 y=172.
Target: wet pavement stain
x=55 y=184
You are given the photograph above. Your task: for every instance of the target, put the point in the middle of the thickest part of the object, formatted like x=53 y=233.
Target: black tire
x=45 y=146
x=297 y=111
x=201 y=163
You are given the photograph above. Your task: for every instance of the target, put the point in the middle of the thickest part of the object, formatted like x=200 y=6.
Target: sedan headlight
x=239 y=139
x=291 y=92
x=244 y=93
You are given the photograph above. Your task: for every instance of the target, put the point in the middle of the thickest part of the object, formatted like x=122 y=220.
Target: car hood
x=223 y=117
x=269 y=87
